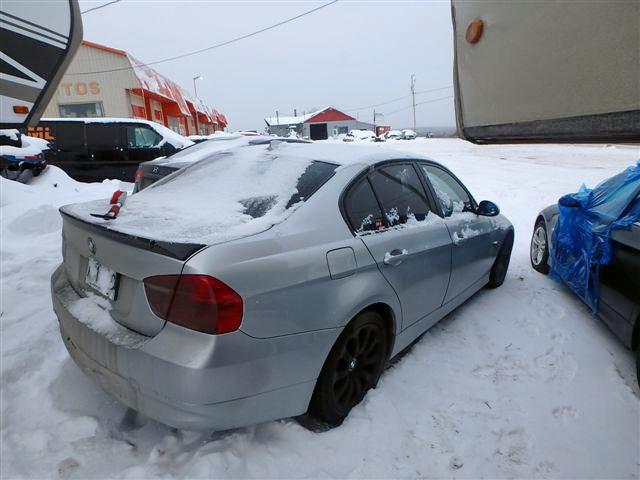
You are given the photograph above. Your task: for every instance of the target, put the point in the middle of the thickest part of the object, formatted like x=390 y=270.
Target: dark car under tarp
x=582 y=237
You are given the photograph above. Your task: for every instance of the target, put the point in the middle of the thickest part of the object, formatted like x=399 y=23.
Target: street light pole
x=195 y=90
x=413 y=98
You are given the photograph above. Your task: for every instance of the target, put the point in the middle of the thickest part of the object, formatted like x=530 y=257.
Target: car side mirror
x=487 y=209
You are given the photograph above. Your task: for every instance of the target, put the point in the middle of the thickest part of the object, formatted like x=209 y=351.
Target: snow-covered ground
x=519 y=382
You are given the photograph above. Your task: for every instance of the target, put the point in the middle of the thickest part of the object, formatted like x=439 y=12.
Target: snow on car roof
x=168 y=135
x=337 y=153
x=31 y=146
x=206 y=202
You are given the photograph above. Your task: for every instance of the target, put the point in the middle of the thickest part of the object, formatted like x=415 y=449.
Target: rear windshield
x=228 y=195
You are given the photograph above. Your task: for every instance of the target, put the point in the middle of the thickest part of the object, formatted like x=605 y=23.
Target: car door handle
x=459 y=238
x=395 y=257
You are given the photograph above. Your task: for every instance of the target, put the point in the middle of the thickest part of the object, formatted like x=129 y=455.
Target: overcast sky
x=347 y=55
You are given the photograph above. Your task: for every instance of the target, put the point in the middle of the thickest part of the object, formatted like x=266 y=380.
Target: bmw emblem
x=156 y=169
x=92 y=246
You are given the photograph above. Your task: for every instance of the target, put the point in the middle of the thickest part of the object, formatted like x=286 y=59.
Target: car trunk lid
x=128 y=259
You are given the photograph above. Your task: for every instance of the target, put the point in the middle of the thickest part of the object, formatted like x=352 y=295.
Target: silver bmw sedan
x=267 y=281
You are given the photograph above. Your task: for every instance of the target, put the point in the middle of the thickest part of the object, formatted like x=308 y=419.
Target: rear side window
x=104 y=135
x=142 y=137
x=362 y=209
x=311 y=180
x=401 y=194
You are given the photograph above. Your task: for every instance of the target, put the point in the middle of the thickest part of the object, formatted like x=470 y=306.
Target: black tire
x=501 y=263
x=352 y=368
x=540 y=263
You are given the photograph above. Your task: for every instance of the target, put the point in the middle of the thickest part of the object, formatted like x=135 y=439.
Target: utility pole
x=374 y=122
x=413 y=98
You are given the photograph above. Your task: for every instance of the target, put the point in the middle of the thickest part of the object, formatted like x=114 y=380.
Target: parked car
x=21 y=157
x=92 y=149
x=359 y=136
x=150 y=172
x=393 y=134
x=616 y=291
x=408 y=135
x=216 y=298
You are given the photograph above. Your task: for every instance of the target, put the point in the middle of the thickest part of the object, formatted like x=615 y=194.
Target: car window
x=142 y=137
x=68 y=136
x=311 y=180
x=450 y=194
x=362 y=209
x=401 y=194
x=104 y=135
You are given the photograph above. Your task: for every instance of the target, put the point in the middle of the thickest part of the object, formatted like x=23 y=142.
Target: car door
x=106 y=145
x=69 y=150
x=474 y=238
x=391 y=212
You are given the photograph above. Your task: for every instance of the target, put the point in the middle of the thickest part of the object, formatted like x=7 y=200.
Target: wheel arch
x=389 y=317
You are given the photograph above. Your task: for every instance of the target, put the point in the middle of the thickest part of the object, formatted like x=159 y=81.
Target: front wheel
x=539 y=251
x=352 y=368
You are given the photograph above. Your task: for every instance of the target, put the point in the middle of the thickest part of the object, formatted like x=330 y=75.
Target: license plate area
x=102 y=279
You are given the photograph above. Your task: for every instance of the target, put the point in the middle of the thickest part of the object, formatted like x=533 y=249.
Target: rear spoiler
x=179 y=251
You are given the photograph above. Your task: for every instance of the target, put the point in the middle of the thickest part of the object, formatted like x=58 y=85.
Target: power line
x=100 y=6
x=418 y=104
x=396 y=99
x=218 y=45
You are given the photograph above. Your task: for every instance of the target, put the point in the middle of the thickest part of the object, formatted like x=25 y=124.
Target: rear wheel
x=353 y=367
x=539 y=251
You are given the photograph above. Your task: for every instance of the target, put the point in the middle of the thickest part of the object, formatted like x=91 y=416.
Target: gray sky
x=348 y=55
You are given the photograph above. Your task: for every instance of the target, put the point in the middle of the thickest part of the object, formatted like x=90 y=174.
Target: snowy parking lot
x=521 y=381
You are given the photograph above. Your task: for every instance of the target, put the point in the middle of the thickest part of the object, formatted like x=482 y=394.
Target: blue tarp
x=582 y=237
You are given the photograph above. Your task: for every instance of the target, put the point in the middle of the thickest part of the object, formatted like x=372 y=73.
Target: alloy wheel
x=358 y=365
x=538 y=245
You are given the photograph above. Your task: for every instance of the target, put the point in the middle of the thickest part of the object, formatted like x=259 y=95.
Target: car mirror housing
x=487 y=209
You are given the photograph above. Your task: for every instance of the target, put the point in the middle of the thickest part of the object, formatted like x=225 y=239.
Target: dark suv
x=90 y=150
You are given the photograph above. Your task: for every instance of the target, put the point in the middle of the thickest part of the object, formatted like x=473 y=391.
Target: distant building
x=127 y=88
x=318 y=125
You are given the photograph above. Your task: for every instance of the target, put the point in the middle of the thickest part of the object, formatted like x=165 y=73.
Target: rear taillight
x=198 y=302
x=138 y=177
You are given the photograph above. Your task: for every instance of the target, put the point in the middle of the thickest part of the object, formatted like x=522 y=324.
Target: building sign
x=41 y=132
x=80 y=88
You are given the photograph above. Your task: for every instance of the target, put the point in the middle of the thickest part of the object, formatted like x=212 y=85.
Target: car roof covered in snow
x=347 y=154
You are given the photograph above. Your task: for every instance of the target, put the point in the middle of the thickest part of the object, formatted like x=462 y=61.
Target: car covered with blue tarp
x=590 y=241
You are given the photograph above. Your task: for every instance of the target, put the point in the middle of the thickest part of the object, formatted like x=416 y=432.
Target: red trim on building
x=138 y=111
x=175 y=101
x=329 y=115
x=97 y=46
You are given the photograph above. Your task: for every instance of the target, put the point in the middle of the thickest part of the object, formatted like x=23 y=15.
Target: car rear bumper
x=191 y=380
